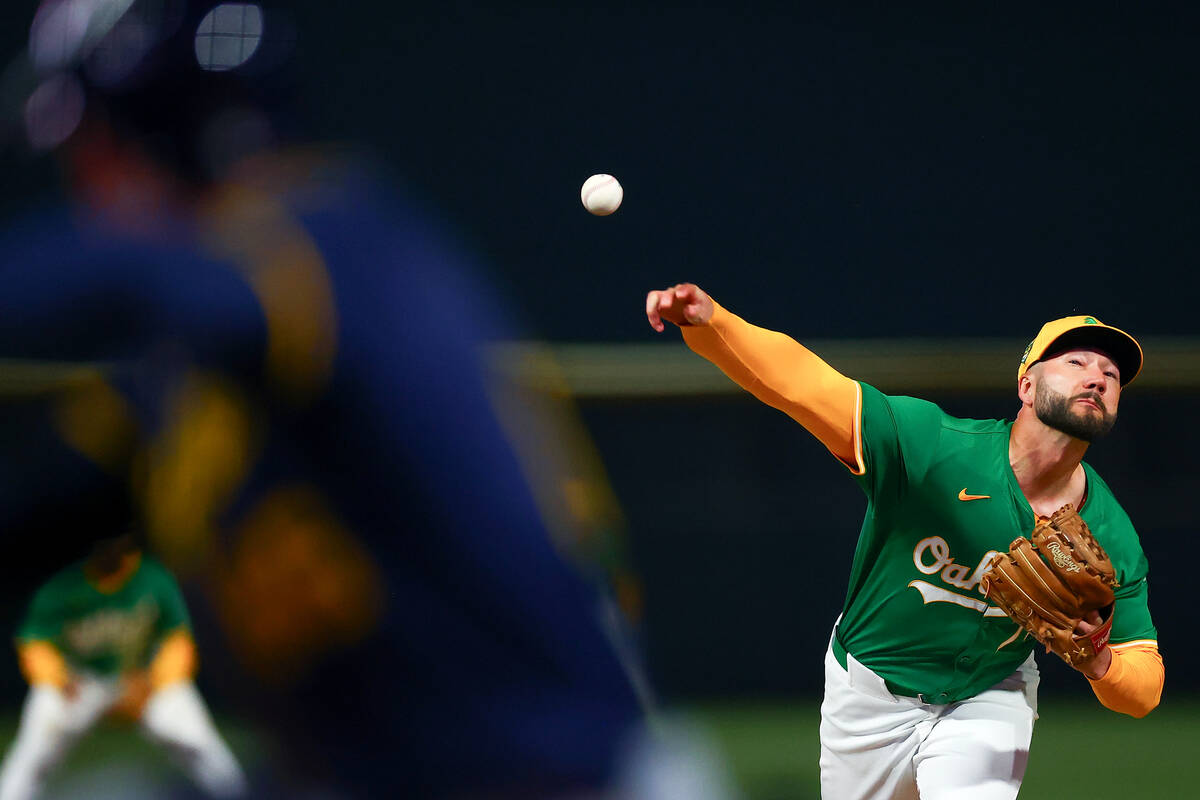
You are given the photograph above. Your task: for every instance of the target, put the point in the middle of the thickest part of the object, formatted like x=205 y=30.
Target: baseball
x=601 y=195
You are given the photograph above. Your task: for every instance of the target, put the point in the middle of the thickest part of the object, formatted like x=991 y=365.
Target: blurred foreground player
x=930 y=690
x=111 y=634
x=292 y=385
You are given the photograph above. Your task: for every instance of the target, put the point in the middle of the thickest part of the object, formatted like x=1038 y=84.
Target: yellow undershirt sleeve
x=42 y=664
x=1133 y=684
x=175 y=661
x=785 y=375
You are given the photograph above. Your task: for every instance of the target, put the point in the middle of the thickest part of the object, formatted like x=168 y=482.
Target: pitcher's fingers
x=652 y=311
x=686 y=291
x=1090 y=622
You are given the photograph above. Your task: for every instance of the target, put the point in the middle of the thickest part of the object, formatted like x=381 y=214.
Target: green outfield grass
x=114 y=754
x=1080 y=750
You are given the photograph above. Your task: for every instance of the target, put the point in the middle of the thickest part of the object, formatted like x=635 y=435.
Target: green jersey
x=106 y=633
x=941 y=500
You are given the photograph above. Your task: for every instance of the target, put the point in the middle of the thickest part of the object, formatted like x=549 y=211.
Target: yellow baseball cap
x=1087 y=332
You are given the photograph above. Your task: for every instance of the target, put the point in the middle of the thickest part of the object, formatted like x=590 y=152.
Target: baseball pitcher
x=982 y=539
x=111 y=634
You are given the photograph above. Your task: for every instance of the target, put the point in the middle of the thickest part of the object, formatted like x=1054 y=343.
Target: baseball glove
x=1051 y=581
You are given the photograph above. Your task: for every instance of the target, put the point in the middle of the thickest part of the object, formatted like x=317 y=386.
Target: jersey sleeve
x=173 y=613
x=896 y=435
x=86 y=269
x=43 y=620
x=1133 y=684
x=1131 y=614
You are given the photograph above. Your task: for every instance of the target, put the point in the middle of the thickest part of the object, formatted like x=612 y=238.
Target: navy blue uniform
x=292 y=390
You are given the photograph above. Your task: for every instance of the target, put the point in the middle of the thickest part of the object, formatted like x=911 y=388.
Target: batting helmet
x=198 y=83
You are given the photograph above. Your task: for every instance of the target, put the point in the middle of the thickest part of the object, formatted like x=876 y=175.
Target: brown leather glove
x=1051 y=581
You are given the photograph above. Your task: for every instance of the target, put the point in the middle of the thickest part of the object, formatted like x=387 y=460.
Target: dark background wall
x=833 y=170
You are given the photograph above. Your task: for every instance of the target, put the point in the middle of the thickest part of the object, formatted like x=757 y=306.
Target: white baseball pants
x=174 y=717
x=880 y=746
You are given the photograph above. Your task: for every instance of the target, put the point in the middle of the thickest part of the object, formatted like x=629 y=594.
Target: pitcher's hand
x=683 y=304
x=1097 y=668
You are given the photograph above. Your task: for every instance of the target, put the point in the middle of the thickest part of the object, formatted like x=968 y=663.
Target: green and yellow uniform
x=942 y=496
x=109 y=631
x=942 y=499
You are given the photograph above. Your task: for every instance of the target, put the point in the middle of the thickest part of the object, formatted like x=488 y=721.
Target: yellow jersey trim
x=859 y=466
x=1135 y=643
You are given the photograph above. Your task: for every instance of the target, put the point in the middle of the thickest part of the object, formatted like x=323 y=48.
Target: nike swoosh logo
x=962 y=495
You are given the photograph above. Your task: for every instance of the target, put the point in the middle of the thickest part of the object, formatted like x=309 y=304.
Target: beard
x=1059 y=412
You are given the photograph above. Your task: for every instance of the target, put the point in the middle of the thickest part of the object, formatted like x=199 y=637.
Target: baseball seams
x=596 y=188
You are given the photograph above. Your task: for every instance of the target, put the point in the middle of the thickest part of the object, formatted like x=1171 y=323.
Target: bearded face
x=1066 y=414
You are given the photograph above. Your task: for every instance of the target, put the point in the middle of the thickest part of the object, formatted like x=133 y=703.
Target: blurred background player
x=283 y=368
x=111 y=634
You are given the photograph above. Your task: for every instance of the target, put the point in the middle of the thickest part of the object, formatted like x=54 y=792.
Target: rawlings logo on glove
x=1050 y=582
x=1061 y=559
